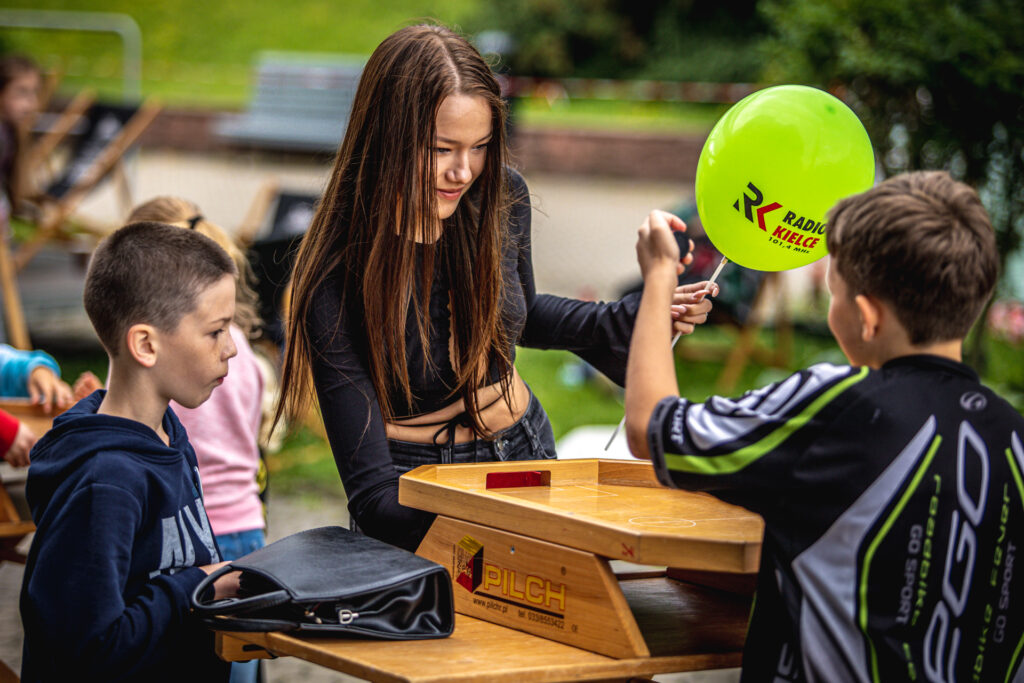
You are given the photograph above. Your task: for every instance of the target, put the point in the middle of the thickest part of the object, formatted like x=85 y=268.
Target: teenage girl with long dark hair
x=414 y=284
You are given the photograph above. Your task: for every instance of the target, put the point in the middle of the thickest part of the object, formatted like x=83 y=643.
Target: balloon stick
x=714 y=276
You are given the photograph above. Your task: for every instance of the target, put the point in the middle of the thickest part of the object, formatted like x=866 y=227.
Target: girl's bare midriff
x=495 y=417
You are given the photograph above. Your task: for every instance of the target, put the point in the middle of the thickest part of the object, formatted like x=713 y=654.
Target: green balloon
x=770 y=170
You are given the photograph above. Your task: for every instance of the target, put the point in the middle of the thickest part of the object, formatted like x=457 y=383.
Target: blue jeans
x=232 y=547
x=530 y=438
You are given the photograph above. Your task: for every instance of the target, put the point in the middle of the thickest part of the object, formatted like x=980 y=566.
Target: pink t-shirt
x=224 y=432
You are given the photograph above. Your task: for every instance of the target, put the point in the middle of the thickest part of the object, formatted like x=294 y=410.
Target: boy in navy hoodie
x=122 y=537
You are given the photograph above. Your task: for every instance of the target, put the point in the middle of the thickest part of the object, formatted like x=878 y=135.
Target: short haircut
x=149 y=273
x=185 y=214
x=923 y=243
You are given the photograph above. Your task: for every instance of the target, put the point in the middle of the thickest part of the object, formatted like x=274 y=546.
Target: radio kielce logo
x=803 y=232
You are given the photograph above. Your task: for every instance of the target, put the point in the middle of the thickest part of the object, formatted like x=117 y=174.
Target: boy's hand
x=24 y=440
x=225 y=586
x=46 y=388
x=656 y=246
x=690 y=306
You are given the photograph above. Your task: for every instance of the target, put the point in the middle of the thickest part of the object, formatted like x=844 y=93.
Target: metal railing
x=103 y=22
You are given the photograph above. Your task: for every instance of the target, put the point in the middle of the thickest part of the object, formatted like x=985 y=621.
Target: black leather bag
x=333 y=581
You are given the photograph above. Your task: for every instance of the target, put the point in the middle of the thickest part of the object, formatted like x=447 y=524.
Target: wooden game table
x=535 y=553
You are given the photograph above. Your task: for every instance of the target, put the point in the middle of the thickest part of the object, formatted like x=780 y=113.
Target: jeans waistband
x=530 y=438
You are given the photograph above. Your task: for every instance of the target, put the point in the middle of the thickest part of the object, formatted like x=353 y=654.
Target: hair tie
x=195 y=219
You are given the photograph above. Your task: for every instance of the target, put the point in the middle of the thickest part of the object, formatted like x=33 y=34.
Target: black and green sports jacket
x=893 y=503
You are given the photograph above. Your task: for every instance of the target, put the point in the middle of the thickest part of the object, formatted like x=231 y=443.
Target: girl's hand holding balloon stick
x=657 y=250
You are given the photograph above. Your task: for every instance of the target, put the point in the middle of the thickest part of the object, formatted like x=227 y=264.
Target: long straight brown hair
x=380 y=198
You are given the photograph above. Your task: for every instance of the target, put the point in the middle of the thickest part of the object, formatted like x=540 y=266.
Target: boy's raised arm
x=650 y=371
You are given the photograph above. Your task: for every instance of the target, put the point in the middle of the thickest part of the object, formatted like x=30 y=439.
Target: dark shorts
x=530 y=438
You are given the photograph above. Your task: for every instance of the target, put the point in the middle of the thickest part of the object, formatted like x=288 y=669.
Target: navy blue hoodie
x=120 y=532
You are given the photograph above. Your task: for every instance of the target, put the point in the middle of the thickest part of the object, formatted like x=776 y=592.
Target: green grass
x=303 y=465
x=584 y=114
x=201 y=53
x=74 y=363
x=1005 y=371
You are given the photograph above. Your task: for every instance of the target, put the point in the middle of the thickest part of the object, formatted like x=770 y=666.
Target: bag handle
x=248 y=625
x=255 y=602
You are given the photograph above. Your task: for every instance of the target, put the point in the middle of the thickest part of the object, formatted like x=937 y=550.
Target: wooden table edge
x=600 y=668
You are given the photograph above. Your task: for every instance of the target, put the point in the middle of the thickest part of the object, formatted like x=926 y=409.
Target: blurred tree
x=705 y=41
x=673 y=39
x=938 y=84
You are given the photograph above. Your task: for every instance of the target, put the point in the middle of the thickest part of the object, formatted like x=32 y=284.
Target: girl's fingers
x=693 y=301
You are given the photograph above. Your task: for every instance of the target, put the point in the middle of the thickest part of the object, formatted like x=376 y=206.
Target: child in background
x=122 y=537
x=20 y=80
x=32 y=374
x=891 y=488
x=22 y=373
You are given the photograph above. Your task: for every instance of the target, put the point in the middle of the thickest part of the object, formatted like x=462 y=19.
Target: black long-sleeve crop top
x=597 y=332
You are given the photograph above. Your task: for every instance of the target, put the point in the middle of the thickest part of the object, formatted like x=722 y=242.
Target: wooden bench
x=301 y=102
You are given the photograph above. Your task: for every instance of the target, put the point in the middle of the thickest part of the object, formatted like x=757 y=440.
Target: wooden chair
x=30 y=159
x=41 y=151
x=779 y=354
x=14 y=313
x=256 y=216
x=280 y=218
x=272 y=254
x=107 y=132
